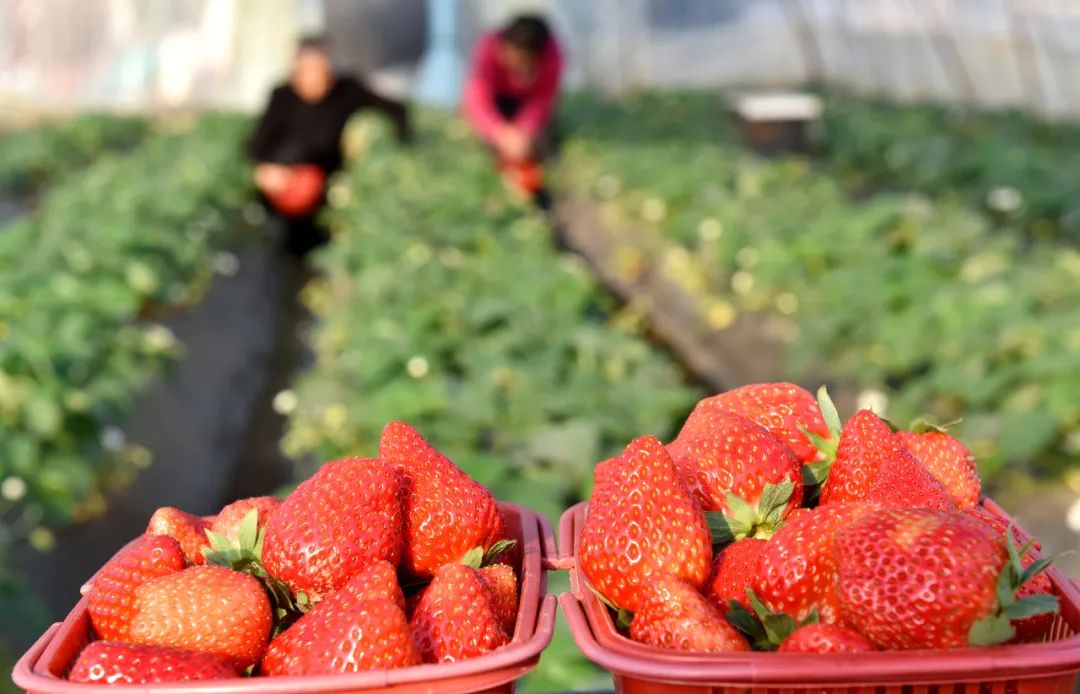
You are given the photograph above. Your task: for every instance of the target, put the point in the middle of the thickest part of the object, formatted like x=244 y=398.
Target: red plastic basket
x=1040 y=668
x=41 y=670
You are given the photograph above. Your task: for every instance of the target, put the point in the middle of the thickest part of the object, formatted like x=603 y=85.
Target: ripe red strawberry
x=873 y=465
x=826 y=638
x=447 y=513
x=949 y=461
x=797 y=567
x=673 y=615
x=733 y=571
x=785 y=409
x=455 y=619
x=109 y=662
x=341 y=636
x=187 y=529
x=228 y=520
x=209 y=609
x=925 y=578
x=640 y=521
x=298 y=650
x=337 y=522
x=110 y=601
x=720 y=453
x=502 y=583
x=1028 y=629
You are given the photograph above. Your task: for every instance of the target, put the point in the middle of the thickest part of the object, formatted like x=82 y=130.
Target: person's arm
x=269 y=177
x=478 y=100
x=269 y=130
x=362 y=97
x=535 y=112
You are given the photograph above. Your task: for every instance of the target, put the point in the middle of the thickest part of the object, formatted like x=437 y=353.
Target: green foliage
x=444 y=304
x=33 y=157
x=924 y=300
x=129 y=234
x=1019 y=171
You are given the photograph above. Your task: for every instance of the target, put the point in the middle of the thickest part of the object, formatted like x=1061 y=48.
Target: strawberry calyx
x=744 y=520
x=623 y=617
x=763 y=628
x=997 y=627
x=245 y=555
x=477 y=557
x=815 y=473
x=926 y=424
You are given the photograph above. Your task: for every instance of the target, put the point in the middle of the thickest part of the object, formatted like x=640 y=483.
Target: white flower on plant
x=13 y=488
x=873 y=400
x=226 y=264
x=742 y=282
x=653 y=210
x=417 y=367
x=159 y=338
x=1072 y=516
x=608 y=186
x=285 y=402
x=1004 y=199
x=710 y=229
x=113 y=439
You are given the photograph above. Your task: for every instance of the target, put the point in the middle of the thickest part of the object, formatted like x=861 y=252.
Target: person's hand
x=271 y=178
x=513 y=143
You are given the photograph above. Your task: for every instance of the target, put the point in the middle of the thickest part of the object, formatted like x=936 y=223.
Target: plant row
x=131 y=233
x=33 y=157
x=919 y=302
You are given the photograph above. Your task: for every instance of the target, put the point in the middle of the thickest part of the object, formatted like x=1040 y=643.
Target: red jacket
x=487 y=79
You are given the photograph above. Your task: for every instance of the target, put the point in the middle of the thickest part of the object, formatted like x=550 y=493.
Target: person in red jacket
x=510 y=95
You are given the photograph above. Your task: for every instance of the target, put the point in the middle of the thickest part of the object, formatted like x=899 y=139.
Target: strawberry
x=734 y=568
x=502 y=583
x=642 y=520
x=227 y=523
x=673 y=615
x=826 y=638
x=337 y=522
x=109 y=662
x=927 y=578
x=873 y=465
x=455 y=619
x=112 y=594
x=288 y=652
x=720 y=455
x=292 y=651
x=785 y=409
x=341 y=636
x=447 y=513
x=187 y=529
x=797 y=569
x=949 y=461
x=209 y=609
x=1028 y=629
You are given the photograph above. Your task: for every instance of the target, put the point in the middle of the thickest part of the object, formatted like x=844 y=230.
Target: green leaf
x=991 y=631
x=829 y=412
x=498 y=549
x=1006 y=585
x=623 y=619
x=248 y=531
x=1033 y=605
x=739 y=510
x=742 y=619
x=1034 y=569
x=724 y=530
x=474 y=558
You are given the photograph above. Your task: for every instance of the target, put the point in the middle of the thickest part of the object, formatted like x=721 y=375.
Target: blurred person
x=510 y=95
x=297 y=142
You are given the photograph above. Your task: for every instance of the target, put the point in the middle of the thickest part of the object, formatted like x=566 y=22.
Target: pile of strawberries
x=371 y=563
x=768 y=525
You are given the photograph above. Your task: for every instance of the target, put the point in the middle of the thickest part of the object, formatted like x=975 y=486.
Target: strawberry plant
x=33 y=157
x=130 y=232
x=920 y=300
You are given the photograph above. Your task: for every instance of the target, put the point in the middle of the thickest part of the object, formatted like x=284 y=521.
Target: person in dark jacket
x=297 y=142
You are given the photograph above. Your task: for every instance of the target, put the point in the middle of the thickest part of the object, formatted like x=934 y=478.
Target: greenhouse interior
x=642 y=346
